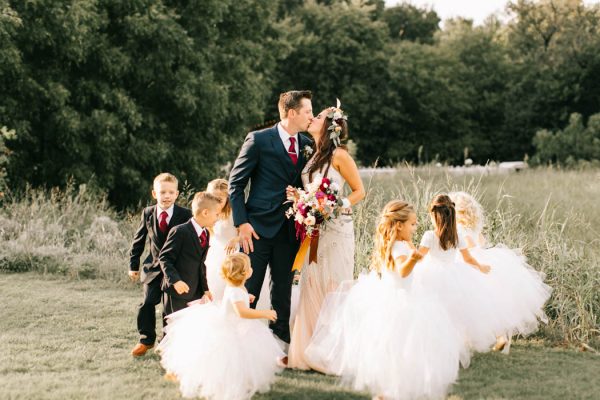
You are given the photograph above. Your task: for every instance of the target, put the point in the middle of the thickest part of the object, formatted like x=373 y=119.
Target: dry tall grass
x=552 y=216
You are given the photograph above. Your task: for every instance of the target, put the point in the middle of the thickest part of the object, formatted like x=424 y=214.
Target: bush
x=72 y=232
x=573 y=146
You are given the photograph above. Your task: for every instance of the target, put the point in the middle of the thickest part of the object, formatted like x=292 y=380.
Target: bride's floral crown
x=337 y=115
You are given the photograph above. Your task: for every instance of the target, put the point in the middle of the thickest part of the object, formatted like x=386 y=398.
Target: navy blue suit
x=264 y=162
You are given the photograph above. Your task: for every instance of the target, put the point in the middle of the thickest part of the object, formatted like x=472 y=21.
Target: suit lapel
x=302 y=141
x=300 y=162
x=174 y=217
x=195 y=237
x=160 y=237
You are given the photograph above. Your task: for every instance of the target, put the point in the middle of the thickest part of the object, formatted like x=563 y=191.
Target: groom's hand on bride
x=247 y=232
x=181 y=287
x=251 y=298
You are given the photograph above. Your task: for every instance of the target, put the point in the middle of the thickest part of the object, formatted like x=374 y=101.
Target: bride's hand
x=291 y=193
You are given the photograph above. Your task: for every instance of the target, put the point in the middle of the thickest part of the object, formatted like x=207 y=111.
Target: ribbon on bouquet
x=309 y=242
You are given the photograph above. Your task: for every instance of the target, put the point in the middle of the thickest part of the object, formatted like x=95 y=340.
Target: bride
x=335 y=251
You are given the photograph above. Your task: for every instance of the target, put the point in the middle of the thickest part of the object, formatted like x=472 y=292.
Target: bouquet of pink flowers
x=311 y=209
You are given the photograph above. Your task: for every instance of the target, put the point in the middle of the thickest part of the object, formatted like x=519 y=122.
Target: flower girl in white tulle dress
x=223 y=241
x=222 y=352
x=460 y=280
x=382 y=334
x=520 y=289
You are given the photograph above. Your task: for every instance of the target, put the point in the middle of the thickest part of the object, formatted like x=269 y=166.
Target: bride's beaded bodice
x=332 y=174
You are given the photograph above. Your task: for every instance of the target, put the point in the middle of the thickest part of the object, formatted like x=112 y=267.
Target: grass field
x=71 y=340
x=68 y=320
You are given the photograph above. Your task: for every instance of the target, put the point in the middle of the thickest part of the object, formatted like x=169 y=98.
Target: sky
x=477 y=10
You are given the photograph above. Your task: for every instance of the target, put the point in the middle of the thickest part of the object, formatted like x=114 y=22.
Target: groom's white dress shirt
x=285 y=138
x=169 y=211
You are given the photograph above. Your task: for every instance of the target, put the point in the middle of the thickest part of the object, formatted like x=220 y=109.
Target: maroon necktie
x=162 y=223
x=203 y=239
x=292 y=150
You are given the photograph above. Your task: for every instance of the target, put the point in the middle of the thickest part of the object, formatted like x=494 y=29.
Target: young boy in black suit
x=183 y=255
x=156 y=222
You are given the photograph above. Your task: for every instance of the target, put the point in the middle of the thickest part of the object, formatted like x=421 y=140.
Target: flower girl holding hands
x=520 y=290
x=222 y=351
x=461 y=281
x=384 y=335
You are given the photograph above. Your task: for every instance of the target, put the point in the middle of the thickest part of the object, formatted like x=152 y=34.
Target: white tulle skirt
x=384 y=339
x=219 y=356
x=519 y=289
x=468 y=295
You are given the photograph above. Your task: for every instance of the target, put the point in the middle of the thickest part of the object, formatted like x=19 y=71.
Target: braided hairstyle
x=444 y=214
x=324 y=152
x=394 y=213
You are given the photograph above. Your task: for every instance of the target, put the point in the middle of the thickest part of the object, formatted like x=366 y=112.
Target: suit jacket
x=265 y=163
x=148 y=229
x=182 y=259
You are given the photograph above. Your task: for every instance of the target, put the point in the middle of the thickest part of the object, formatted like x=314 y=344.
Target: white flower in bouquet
x=310 y=220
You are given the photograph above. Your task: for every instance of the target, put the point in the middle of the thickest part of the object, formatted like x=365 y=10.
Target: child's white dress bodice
x=234 y=295
x=432 y=242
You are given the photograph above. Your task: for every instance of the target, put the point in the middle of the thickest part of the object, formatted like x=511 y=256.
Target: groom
x=271 y=159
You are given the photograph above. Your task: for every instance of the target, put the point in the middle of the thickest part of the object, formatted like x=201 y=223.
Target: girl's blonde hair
x=469 y=213
x=394 y=213
x=234 y=268
x=220 y=187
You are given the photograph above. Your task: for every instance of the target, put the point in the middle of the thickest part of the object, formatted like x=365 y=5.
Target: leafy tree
x=576 y=142
x=409 y=22
x=121 y=90
x=337 y=51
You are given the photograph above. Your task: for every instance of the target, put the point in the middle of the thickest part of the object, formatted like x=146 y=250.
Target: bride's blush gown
x=335 y=264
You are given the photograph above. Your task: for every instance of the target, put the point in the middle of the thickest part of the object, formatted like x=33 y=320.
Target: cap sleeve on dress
x=400 y=248
x=427 y=239
x=237 y=294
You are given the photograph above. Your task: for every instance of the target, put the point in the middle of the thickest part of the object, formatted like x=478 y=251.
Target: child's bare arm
x=233 y=245
x=246 y=312
x=469 y=259
x=406 y=264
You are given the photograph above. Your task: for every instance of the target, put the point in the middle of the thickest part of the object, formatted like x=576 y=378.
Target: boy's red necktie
x=162 y=222
x=203 y=239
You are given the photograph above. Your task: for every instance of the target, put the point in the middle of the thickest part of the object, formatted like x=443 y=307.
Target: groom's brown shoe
x=140 y=349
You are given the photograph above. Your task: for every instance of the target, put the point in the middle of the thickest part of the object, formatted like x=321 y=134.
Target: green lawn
x=71 y=340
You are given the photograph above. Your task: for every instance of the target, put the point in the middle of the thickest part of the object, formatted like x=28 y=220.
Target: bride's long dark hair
x=326 y=146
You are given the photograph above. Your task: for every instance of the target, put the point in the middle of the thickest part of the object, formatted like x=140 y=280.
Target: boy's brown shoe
x=140 y=349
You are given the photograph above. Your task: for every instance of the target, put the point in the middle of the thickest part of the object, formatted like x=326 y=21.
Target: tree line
x=116 y=91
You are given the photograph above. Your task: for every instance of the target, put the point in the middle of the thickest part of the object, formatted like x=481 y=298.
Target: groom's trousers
x=278 y=253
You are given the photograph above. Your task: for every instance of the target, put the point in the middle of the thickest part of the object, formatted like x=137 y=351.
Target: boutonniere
x=307 y=151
